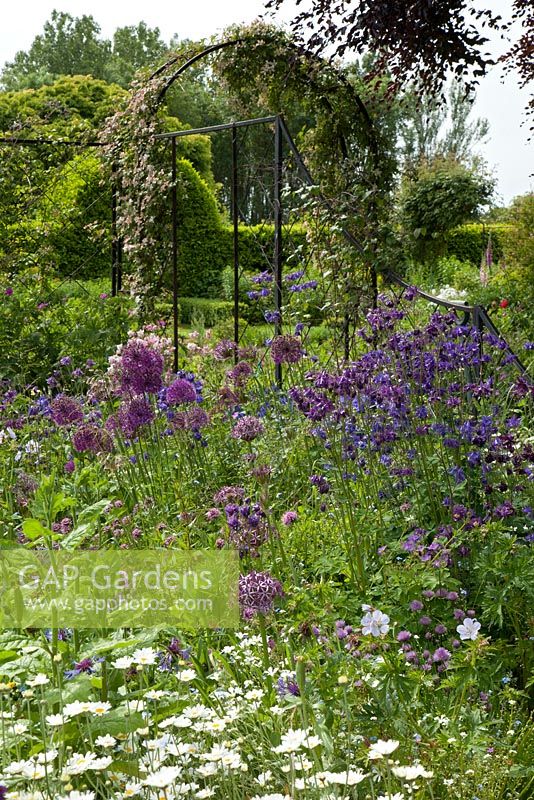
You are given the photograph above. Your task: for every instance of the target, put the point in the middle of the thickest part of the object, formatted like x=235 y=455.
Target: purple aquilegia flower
x=134 y=414
x=248 y=429
x=286 y=349
x=257 y=593
x=320 y=482
x=180 y=391
x=66 y=410
x=89 y=438
x=141 y=369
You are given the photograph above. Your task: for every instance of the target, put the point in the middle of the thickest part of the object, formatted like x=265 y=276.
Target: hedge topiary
x=201 y=258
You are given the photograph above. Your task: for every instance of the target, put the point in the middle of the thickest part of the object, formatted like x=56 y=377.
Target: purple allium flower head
x=289 y=517
x=196 y=419
x=425 y=620
x=66 y=410
x=141 y=369
x=403 y=636
x=416 y=605
x=257 y=593
x=134 y=414
x=69 y=467
x=240 y=373
x=9 y=291
x=89 y=438
x=65 y=361
x=286 y=349
x=224 y=349
x=440 y=629
x=248 y=429
x=441 y=654
x=181 y=391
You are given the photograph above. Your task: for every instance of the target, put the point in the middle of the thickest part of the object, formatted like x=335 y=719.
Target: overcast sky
x=507 y=152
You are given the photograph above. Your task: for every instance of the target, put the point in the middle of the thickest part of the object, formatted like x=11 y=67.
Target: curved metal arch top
x=298 y=49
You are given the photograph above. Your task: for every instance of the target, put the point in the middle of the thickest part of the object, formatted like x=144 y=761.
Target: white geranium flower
x=469 y=628
x=382 y=748
x=375 y=623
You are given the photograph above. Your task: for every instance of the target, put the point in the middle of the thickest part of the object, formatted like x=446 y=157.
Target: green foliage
x=469 y=242
x=134 y=47
x=199 y=230
x=200 y=311
x=440 y=196
x=67 y=46
x=73 y=46
x=68 y=102
x=519 y=248
x=73 y=221
x=43 y=321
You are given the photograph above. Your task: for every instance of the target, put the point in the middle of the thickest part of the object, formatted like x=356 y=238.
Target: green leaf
x=33 y=529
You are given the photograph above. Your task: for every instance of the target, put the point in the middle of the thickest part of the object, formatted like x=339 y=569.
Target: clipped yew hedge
x=469 y=242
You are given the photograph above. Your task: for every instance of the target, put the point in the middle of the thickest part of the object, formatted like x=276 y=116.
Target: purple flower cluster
x=180 y=391
x=247 y=429
x=92 y=439
x=239 y=374
x=134 y=414
x=141 y=369
x=248 y=527
x=257 y=593
x=66 y=410
x=224 y=350
x=286 y=349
